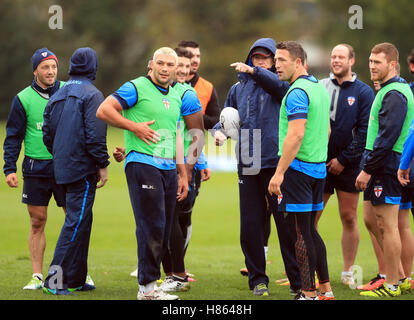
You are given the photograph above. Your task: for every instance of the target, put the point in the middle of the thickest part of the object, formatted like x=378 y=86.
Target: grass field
x=214 y=254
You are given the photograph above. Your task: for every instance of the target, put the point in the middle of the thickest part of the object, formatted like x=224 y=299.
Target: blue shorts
x=383 y=189
x=343 y=182
x=38 y=191
x=300 y=192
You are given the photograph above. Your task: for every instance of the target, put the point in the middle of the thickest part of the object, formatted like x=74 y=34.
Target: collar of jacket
x=345 y=83
x=49 y=90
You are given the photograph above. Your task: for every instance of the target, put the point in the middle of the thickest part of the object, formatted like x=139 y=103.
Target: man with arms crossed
x=351 y=101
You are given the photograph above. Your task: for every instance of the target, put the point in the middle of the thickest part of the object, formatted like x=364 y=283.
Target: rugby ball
x=230 y=122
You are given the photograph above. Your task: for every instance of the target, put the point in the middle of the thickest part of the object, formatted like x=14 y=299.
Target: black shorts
x=38 y=191
x=300 y=192
x=407 y=198
x=343 y=182
x=383 y=189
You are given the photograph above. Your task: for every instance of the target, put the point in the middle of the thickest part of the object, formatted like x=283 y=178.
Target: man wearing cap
x=257 y=97
x=25 y=124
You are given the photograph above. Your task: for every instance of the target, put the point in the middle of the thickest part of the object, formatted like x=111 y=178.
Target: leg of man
x=372 y=226
x=153 y=211
x=252 y=219
x=326 y=197
x=300 y=229
x=407 y=241
x=71 y=253
x=37 y=238
x=387 y=219
x=348 y=204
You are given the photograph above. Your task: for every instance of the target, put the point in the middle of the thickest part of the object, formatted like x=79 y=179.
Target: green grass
x=214 y=254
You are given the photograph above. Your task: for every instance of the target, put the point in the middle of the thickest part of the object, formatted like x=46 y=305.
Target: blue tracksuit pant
x=71 y=252
x=153 y=195
x=252 y=192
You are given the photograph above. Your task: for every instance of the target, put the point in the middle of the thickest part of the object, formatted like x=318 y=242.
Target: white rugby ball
x=230 y=122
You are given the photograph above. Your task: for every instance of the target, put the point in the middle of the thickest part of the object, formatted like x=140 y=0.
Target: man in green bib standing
x=390 y=118
x=299 y=179
x=24 y=125
x=148 y=109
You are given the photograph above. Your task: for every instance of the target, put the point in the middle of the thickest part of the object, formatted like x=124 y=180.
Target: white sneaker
x=172 y=285
x=156 y=294
x=303 y=297
x=89 y=280
x=166 y=282
x=34 y=284
x=134 y=273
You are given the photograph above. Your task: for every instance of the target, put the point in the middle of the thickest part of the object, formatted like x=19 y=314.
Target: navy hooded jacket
x=257 y=97
x=71 y=131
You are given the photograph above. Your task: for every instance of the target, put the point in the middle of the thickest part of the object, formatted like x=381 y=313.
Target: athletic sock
x=38 y=275
x=347 y=273
x=148 y=287
x=265 y=251
x=392 y=287
x=383 y=276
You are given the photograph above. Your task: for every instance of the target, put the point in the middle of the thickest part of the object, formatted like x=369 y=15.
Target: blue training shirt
x=297 y=107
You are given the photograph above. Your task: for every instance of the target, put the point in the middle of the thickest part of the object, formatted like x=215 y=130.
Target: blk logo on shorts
x=378 y=191
x=279 y=198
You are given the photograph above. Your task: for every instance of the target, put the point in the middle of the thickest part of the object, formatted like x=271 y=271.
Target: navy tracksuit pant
x=153 y=195
x=71 y=252
x=252 y=192
x=173 y=260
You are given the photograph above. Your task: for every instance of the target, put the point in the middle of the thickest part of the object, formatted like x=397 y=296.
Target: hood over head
x=263 y=46
x=84 y=62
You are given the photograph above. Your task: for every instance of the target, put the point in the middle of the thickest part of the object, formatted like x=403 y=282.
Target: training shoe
x=294 y=292
x=85 y=287
x=174 y=284
x=405 y=286
x=89 y=280
x=374 y=283
x=64 y=292
x=328 y=295
x=303 y=297
x=134 y=273
x=382 y=292
x=34 y=284
x=244 y=272
x=261 y=290
x=156 y=294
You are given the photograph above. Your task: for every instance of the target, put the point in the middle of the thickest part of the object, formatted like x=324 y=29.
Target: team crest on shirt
x=378 y=191
x=351 y=100
x=166 y=103
x=279 y=198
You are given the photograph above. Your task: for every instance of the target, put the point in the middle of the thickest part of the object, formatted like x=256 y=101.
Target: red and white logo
x=44 y=54
x=166 y=103
x=279 y=198
x=378 y=191
x=351 y=100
